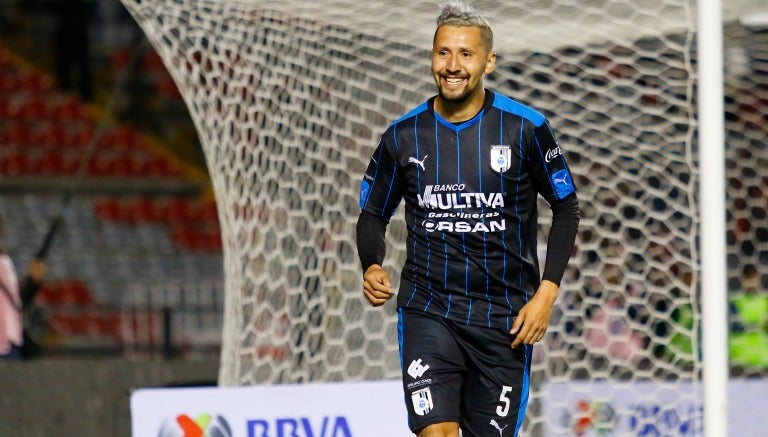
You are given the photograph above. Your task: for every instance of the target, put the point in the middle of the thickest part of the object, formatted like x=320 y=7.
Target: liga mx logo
x=204 y=425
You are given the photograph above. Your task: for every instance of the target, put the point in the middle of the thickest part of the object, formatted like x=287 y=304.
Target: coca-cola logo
x=552 y=154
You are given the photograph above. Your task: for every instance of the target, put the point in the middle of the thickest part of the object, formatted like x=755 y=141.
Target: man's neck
x=460 y=112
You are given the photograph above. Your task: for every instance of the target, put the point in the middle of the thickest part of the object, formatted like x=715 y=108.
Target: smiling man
x=469 y=164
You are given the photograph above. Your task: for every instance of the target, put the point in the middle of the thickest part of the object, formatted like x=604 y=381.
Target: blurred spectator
x=748 y=340
x=609 y=332
x=675 y=323
x=11 y=319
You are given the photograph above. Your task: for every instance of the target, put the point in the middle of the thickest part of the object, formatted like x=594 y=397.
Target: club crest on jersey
x=501 y=157
x=422 y=401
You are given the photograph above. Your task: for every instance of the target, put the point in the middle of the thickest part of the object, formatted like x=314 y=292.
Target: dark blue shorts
x=453 y=372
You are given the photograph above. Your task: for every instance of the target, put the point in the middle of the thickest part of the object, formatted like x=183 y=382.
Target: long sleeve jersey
x=470 y=192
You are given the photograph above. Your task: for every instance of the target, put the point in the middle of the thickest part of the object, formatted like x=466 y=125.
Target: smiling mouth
x=453 y=80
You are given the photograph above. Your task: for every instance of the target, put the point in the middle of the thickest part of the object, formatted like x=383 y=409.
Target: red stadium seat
x=65 y=323
x=65 y=292
x=212 y=240
x=161 y=166
x=209 y=211
x=52 y=164
x=70 y=109
x=53 y=135
x=109 y=209
x=109 y=324
x=100 y=165
x=123 y=165
x=152 y=62
x=8 y=82
x=32 y=81
x=166 y=87
x=178 y=210
x=146 y=210
x=185 y=238
x=193 y=238
x=80 y=136
x=34 y=109
x=120 y=58
x=6 y=108
x=17 y=134
x=121 y=137
x=6 y=60
x=75 y=292
x=17 y=164
x=48 y=294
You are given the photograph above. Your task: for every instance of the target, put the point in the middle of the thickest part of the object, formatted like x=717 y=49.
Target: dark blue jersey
x=470 y=192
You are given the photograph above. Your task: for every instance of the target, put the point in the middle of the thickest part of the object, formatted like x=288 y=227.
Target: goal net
x=289 y=99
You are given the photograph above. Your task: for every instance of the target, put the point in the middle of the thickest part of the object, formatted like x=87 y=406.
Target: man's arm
x=533 y=319
x=371 y=248
x=562 y=236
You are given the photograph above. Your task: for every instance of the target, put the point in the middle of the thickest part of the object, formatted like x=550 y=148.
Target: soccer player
x=469 y=164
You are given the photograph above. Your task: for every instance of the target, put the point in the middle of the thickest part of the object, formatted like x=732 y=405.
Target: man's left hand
x=533 y=319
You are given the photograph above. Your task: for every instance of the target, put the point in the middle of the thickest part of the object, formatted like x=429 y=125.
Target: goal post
x=713 y=229
x=289 y=99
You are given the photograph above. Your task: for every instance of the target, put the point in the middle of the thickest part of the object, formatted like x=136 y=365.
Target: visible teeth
x=453 y=81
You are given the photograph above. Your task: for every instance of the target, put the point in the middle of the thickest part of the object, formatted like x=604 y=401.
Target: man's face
x=459 y=61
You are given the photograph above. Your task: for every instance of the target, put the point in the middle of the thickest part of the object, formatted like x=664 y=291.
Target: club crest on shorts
x=501 y=157
x=422 y=401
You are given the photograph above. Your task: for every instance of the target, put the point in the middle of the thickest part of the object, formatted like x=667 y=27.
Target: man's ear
x=490 y=65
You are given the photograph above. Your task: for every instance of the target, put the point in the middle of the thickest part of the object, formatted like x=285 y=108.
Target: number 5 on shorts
x=503 y=409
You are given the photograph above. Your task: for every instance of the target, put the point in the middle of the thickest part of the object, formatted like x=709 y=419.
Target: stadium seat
x=110 y=209
x=34 y=108
x=160 y=166
x=185 y=238
x=178 y=210
x=34 y=82
x=74 y=292
x=209 y=211
x=52 y=164
x=16 y=164
x=145 y=210
x=120 y=57
x=47 y=294
x=44 y=133
x=65 y=292
x=100 y=165
x=110 y=324
x=123 y=165
x=6 y=109
x=53 y=135
x=70 y=109
x=16 y=134
x=8 y=82
x=6 y=60
x=121 y=137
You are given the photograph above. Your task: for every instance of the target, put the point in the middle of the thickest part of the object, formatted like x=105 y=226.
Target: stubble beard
x=460 y=97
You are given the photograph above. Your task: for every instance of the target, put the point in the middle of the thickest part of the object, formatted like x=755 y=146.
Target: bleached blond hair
x=462 y=14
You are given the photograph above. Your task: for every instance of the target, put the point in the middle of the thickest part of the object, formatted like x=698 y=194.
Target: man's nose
x=453 y=65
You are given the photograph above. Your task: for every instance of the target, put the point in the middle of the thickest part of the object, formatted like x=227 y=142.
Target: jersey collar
x=489 y=97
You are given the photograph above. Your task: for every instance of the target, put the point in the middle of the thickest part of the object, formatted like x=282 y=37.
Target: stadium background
x=134 y=288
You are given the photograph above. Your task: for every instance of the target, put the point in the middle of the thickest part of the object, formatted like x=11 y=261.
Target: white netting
x=289 y=99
